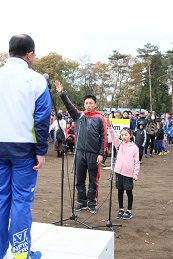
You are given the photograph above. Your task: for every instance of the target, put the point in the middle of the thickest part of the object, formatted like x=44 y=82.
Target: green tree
x=103 y=84
x=155 y=92
x=93 y=79
x=3 y=58
x=58 y=69
x=135 y=84
x=168 y=59
x=120 y=65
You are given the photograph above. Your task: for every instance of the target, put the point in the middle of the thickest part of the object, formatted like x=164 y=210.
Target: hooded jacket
x=90 y=128
x=140 y=135
x=127 y=162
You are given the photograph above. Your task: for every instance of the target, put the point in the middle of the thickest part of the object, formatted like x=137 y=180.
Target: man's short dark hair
x=20 y=45
x=90 y=96
x=126 y=111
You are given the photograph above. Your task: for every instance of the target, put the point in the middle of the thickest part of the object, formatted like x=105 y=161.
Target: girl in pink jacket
x=127 y=167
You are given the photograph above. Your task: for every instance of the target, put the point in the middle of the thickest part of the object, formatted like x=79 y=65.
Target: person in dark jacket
x=70 y=136
x=140 y=138
x=141 y=119
x=126 y=116
x=159 y=140
x=90 y=145
x=151 y=129
x=132 y=121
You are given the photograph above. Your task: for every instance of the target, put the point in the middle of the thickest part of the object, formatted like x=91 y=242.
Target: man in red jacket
x=91 y=139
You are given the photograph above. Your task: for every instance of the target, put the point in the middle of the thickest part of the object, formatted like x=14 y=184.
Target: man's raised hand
x=59 y=87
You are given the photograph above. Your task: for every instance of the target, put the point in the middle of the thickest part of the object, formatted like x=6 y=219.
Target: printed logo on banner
x=119 y=124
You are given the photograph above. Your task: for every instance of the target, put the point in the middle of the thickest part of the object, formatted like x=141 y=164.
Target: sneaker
x=165 y=153
x=127 y=215
x=35 y=255
x=92 y=209
x=80 y=206
x=151 y=155
x=145 y=155
x=120 y=214
x=160 y=154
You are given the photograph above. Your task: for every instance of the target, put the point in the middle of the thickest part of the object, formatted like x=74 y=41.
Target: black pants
x=141 y=150
x=87 y=162
x=104 y=158
x=129 y=196
x=150 y=140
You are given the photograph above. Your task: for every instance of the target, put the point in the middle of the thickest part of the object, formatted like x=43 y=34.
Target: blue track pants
x=17 y=186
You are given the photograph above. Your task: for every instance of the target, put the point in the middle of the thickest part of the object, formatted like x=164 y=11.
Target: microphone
x=46 y=76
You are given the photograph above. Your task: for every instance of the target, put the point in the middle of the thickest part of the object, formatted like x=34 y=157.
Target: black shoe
x=127 y=215
x=80 y=206
x=120 y=214
x=92 y=209
x=102 y=164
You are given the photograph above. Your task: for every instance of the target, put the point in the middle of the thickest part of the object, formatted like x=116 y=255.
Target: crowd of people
x=150 y=131
x=153 y=132
x=66 y=123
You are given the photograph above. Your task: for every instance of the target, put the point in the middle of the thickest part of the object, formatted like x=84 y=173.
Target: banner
x=119 y=124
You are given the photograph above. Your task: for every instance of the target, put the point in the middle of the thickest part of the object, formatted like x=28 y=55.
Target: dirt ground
x=149 y=234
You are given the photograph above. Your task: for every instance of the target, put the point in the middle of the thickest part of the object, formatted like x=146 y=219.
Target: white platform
x=58 y=242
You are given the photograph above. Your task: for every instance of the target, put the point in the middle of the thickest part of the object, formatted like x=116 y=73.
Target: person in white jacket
x=25 y=97
x=55 y=125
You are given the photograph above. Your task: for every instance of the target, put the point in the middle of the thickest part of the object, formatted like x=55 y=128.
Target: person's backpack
x=60 y=136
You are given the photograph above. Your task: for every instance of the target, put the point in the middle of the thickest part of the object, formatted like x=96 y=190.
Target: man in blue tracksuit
x=25 y=108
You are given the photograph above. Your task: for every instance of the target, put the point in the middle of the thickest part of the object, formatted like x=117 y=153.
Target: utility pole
x=117 y=60
x=171 y=83
x=149 y=75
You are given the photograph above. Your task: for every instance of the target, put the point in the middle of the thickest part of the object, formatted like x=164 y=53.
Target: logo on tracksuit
x=20 y=242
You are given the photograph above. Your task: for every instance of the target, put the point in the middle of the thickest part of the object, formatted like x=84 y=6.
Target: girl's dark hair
x=126 y=111
x=160 y=125
x=113 y=114
x=59 y=116
x=20 y=45
x=129 y=131
x=88 y=96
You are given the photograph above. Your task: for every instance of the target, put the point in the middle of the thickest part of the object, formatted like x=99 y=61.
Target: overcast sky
x=95 y=27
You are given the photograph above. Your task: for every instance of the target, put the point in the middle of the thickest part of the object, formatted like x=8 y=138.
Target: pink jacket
x=127 y=162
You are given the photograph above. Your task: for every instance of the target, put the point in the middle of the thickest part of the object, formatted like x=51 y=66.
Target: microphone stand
x=72 y=216
x=109 y=222
x=64 y=149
